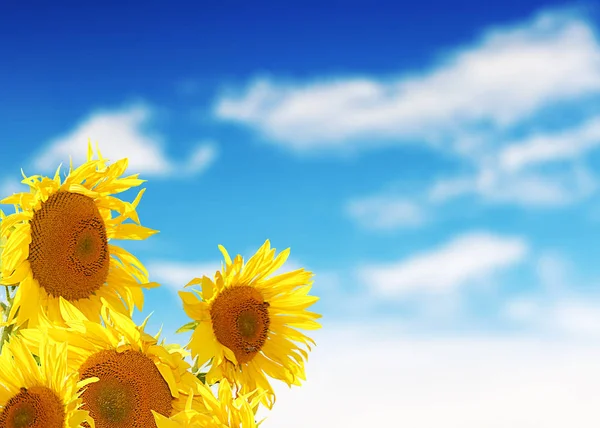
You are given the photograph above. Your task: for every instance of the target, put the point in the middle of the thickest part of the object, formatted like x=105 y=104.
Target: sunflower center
x=115 y=401
x=24 y=416
x=240 y=319
x=247 y=324
x=85 y=245
x=129 y=387
x=68 y=252
x=36 y=407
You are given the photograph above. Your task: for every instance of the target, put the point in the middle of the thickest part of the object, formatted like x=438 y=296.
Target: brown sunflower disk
x=129 y=387
x=68 y=252
x=36 y=407
x=241 y=321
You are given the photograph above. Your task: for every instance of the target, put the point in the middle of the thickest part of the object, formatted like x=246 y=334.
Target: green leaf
x=187 y=327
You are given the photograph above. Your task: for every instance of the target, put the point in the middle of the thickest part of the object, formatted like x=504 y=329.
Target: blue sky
x=433 y=163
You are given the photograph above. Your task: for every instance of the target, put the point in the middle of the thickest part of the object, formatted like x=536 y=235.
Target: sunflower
x=57 y=243
x=136 y=374
x=39 y=396
x=222 y=411
x=246 y=321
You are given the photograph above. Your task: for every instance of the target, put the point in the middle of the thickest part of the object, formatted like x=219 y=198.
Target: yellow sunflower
x=44 y=395
x=57 y=243
x=246 y=321
x=223 y=411
x=136 y=374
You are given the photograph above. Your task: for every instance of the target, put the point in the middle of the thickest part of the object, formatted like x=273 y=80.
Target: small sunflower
x=136 y=374
x=246 y=321
x=57 y=243
x=44 y=395
x=222 y=411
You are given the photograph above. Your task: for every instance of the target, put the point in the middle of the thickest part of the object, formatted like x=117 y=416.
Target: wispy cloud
x=490 y=184
x=547 y=147
x=123 y=133
x=529 y=188
x=505 y=77
x=201 y=158
x=462 y=260
x=541 y=171
x=176 y=275
x=481 y=102
x=386 y=212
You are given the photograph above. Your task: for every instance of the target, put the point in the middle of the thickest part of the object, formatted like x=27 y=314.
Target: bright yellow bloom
x=223 y=411
x=246 y=322
x=136 y=374
x=39 y=396
x=58 y=243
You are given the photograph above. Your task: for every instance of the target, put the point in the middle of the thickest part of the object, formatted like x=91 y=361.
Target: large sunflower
x=44 y=395
x=136 y=374
x=246 y=321
x=58 y=243
x=223 y=411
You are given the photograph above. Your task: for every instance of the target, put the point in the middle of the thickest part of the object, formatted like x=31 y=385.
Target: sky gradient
x=433 y=163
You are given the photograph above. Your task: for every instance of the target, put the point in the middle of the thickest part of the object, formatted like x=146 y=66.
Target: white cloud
x=569 y=316
x=469 y=257
x=468 y=382
x=537 y=189
x=547 y=147
x=470 y=103
x=119 y=134
x=385 y=212
x=450 y=188
x=201 y=158
x=508 y=75
x=576 y=317
x=522 y=188
x=176 y=275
